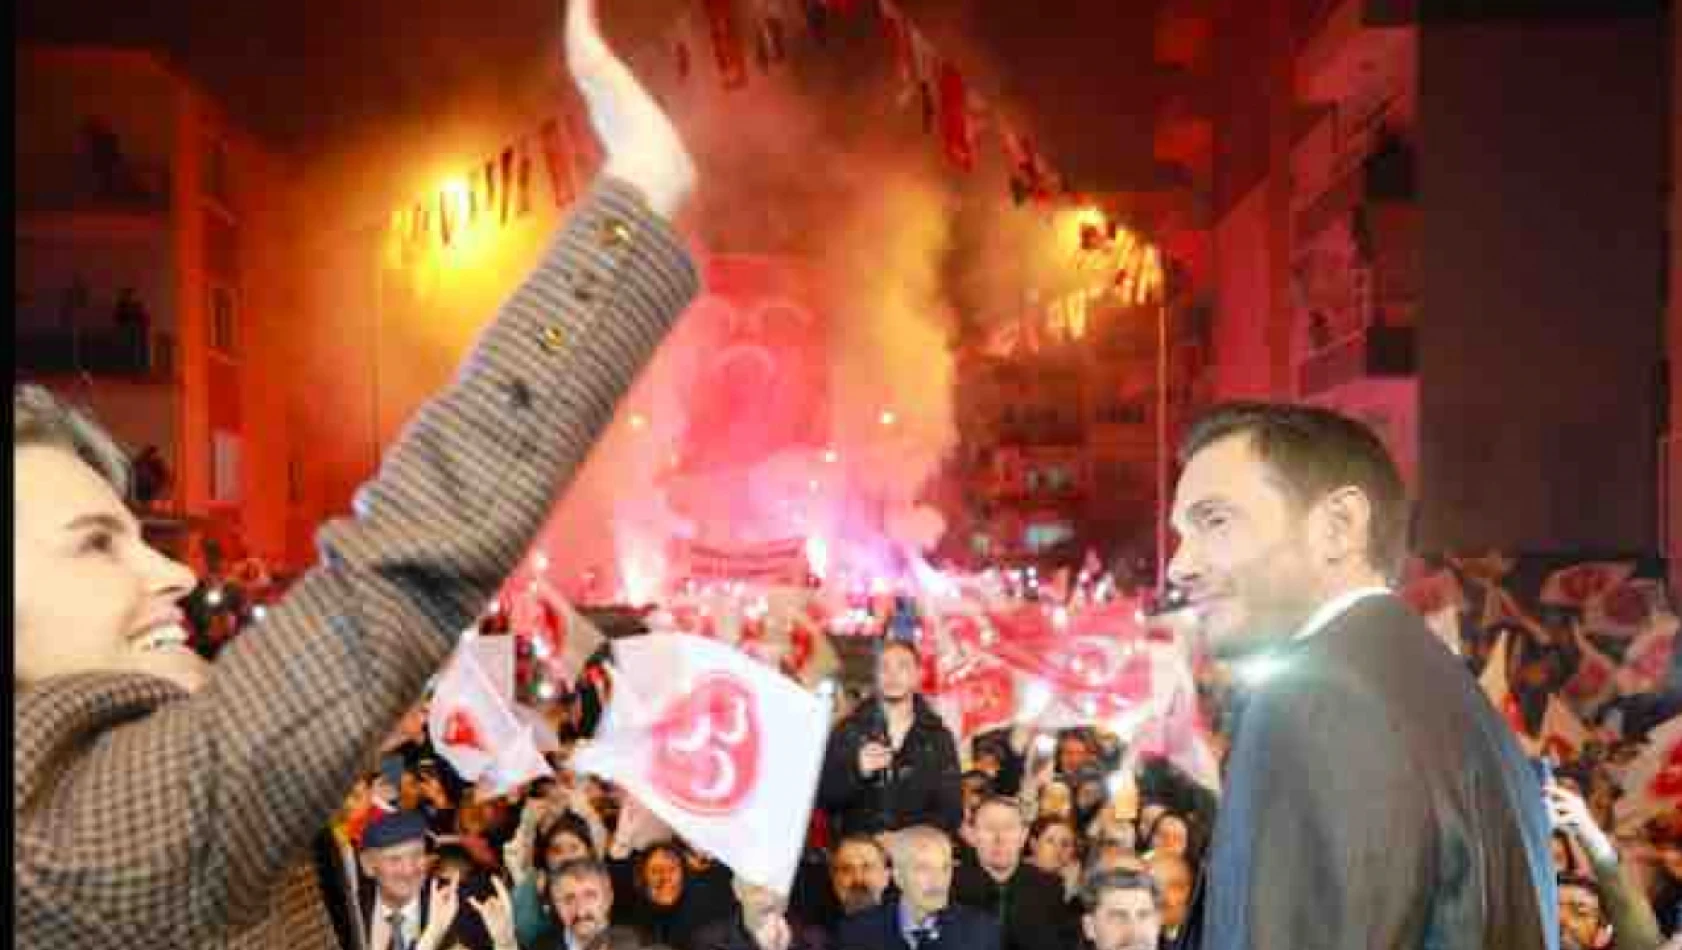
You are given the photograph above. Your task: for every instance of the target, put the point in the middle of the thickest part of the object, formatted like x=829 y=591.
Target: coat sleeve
x=1326 y=840
x=839 y=783
x=949 y=783
x=529 y=922
x=1634 y=927
x=220 y=792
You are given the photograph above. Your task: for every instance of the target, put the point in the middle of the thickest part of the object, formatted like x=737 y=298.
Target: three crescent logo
x=706 y=747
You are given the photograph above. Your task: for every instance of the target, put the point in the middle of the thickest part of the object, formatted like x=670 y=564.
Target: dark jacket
x=1031 y=908
x=222 y=791
x=706 y=898
x=961 y=928
x=732 y=934
x=921 y=787
x=467 y=930
x=1375 y=799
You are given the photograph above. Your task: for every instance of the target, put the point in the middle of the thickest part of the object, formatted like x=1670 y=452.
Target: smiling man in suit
x=1374 y=798
x=922 y=916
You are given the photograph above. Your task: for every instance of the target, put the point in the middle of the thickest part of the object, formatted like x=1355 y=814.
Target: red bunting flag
x=558 y=164
x=954 y=118
x=896 y=32
x=502 y=193
x=523 y=183
x=727 y=44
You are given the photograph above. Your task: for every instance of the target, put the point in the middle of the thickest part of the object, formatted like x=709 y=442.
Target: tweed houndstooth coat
x=147 y=818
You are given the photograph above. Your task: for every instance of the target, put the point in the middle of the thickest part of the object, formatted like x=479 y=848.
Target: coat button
x=553 y=339
x=614 y=233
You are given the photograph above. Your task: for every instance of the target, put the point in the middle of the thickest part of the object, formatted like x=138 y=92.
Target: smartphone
x=391 y=769
x=1544 y=768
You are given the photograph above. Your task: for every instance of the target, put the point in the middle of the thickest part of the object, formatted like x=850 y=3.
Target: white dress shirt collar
x=1335 y=608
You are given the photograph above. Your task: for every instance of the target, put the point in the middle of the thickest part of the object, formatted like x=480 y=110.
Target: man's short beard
x=857 y=899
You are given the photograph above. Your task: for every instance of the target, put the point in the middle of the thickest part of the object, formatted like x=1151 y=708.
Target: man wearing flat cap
x=407 y=906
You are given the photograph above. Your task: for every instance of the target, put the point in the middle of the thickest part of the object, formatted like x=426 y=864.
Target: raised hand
x=643 y=147
x=773 y=933
x=1571 y=814
x=440 y=914
x=497 y=911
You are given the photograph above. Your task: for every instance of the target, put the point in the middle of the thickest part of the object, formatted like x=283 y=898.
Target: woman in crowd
x=164 y=802
x=1054 y=847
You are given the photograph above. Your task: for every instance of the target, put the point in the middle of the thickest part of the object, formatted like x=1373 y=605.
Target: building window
x=1045 y=536
x=224 y=322
x=215 y=172
x=224 y=471
x=221 y=245
x=295 y=481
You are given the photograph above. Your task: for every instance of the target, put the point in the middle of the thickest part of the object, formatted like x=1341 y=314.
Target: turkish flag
x=722 y=748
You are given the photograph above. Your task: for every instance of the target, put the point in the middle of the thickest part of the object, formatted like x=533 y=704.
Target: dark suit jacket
x=732 y=934
x=1031 y=907
x=1375 y=799
x=467 y=929
x=150 y=819
x=961 y=928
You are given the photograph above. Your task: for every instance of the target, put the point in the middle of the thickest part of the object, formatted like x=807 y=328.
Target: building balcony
x=1185 y=129
x=1377 y=352
x=1184 y=31
x=1340 y=43
x=45 y=354
x=1386 y=176
x=127 y=188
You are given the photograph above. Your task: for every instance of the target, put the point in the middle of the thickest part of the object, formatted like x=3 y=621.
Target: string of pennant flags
x=503 y=188
x=947 y=103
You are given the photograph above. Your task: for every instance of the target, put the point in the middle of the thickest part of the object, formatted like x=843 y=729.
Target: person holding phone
x=163 y=802
x=892 y=763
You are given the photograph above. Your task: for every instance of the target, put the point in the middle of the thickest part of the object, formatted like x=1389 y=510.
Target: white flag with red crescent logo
x=721 y=747
x=474 y=724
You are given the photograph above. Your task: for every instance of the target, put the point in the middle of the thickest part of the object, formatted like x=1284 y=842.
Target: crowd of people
x=1371 y=795
x=1021 y=839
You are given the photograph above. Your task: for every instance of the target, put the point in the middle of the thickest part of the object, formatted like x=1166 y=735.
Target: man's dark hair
x=1050 y=821
x=1589 y=884
x=1102 y=882
x=566 y=822
x=861 y=839
x=1003 y=801
x=580 y=867
x=1313 y=452
x=895 y=643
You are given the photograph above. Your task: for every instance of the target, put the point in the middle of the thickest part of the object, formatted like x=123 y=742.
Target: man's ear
x=1340 y=525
